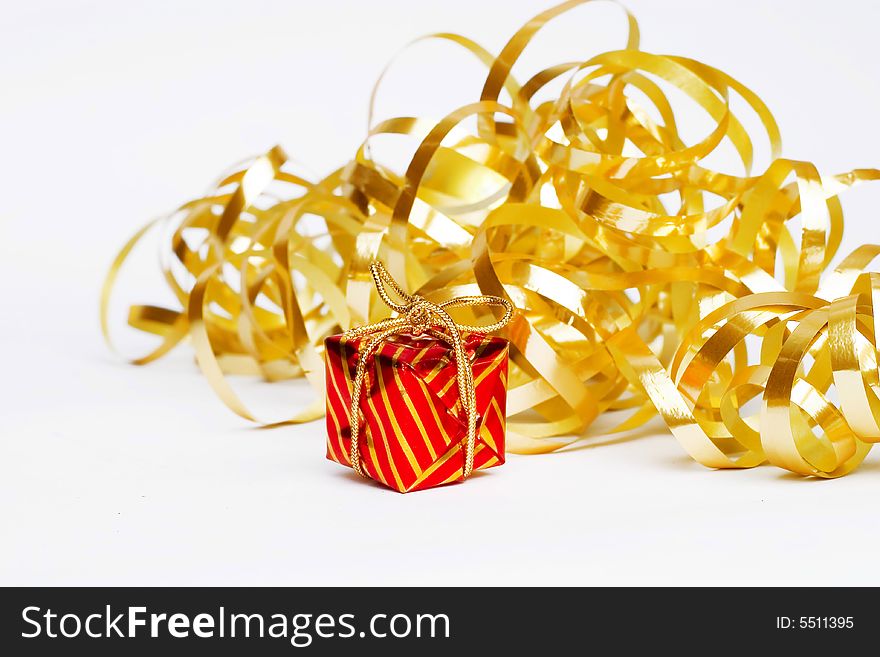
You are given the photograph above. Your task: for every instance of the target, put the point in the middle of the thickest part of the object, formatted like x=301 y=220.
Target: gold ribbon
x=419 y=316
x=646 y=280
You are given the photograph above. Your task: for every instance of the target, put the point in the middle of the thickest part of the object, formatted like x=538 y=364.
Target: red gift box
x=413 y=427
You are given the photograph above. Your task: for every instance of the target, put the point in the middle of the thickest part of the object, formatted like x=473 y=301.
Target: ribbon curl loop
x=655 y=270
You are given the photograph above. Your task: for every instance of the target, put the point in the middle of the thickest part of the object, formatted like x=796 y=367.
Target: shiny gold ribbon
x=646 y=280
x=419 y=316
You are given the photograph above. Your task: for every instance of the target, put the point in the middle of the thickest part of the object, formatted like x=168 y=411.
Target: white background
x=112 y=113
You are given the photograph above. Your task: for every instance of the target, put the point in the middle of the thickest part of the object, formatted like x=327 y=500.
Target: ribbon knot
x=418 y=316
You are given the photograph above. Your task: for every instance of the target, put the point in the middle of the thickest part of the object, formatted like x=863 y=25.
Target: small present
x=428 y=394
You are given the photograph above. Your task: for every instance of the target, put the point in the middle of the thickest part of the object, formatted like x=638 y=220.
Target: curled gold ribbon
x=419 y=316
x=646 y=281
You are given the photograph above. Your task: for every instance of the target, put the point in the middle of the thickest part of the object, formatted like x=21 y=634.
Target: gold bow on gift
x=419 y=316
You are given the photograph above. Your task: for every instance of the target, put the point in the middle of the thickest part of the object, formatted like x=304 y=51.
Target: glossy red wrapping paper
x=413 y=425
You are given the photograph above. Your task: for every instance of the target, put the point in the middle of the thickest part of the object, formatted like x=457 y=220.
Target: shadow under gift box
x=413 y=426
